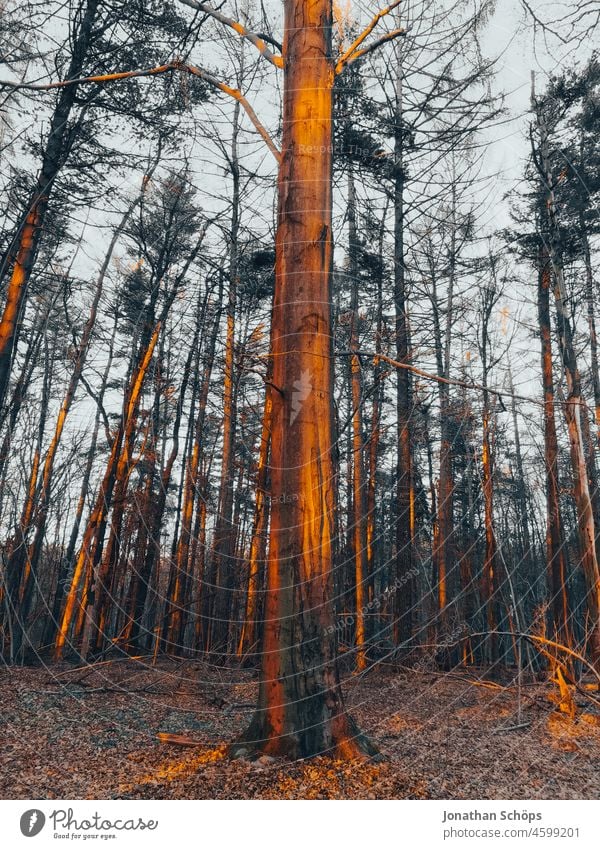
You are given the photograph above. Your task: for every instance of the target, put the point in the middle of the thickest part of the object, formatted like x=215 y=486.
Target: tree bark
x=403 y=596
x=359 y=529
x=556 y=561
x=574 y=405
x=30 y=231
x=258 y=540
x=90 y=553
x=300 y=710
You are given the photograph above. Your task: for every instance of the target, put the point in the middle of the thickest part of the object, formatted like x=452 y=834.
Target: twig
x=499 y=393
x=178 y=739
x=88 y=668
x=511 y=727
x=547 y=642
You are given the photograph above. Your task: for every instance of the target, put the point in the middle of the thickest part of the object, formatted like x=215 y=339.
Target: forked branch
x=353 y=53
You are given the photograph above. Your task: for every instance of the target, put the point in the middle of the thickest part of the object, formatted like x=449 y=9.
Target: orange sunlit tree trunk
x=30 y=230
x=260 y=522
x=556 y=559
x=88 y=560
x=359 y=517
x=575 y=408
x=300 y=711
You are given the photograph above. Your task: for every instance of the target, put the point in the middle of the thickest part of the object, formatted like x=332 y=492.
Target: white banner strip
x=300 y=824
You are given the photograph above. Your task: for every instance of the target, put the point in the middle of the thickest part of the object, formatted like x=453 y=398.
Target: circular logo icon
x=32 y=822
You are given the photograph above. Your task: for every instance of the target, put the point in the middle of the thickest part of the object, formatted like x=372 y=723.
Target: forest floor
x=93 y=733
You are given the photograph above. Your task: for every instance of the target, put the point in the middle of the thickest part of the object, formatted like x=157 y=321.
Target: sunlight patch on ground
x=178 y=769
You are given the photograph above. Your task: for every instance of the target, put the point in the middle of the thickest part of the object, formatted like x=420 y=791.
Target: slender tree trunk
x=67 y=562
x=191 y=492
x=403 y=596
x=258 y=542
x=444 y=554
x=521 y=492
x=556 y=561
x=55 y=153
x=18 y=568
x=375 y=435
x=469 y=540
x=90 y=553
x=359 y=546
x=490 y=566
x=589 y=296
x=223 y=555
x=141 y=580
x=574 y=406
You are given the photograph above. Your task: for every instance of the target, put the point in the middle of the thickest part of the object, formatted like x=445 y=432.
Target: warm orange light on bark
x=574 y=406
x=555 y=549
x=16 y=294
x=259 y=530
x=300 y=710
x=489 y=566
x=117 y=462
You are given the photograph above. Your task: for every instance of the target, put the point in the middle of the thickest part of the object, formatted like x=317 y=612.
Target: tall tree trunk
x=375 y=435
x=18 y=570
x=223 y=555
x=67 y=562
x=403 y=596
x=589 y=297
x=556 y=561
x=490 y=566
x=191 y=492
x=300 y=709
x=592 y=443
x=359 y=546
x=574 y=406
x=444 y=554
x=141 y=579
x=90 y=554
x=258 y=540
x=521 y=492
x=29 y=233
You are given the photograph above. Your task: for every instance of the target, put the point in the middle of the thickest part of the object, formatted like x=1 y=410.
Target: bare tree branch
x=259 y=41
x=99 y=78
x=500 y=394
x=345 y=57
x=389 y=36
x=237 y=95
x=149 y=72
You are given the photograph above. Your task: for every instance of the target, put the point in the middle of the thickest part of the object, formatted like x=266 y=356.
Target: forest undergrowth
x=127 y=729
